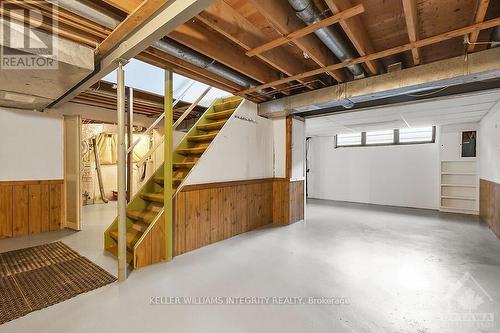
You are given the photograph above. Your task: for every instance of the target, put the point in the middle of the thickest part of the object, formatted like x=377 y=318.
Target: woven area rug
x=36 y=277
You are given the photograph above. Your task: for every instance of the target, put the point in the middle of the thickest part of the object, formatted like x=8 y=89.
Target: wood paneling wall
x=28 y=207
x=489 y=204
x=152 y=249
x=208 y=213
x=288 y=201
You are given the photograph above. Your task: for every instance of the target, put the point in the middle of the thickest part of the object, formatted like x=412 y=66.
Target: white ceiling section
x=456 y=109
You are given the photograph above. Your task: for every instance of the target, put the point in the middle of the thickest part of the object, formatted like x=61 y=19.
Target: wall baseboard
x=489 y=204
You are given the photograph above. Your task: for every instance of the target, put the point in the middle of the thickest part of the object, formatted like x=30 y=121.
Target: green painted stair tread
x=227 y=105
x=203 y=137
x=220 y=115
x=191 y=151
x=155 y=197
x=161 y=180
x=132 y=237
x=184 y=165
x=146 y=215
x=211 y=126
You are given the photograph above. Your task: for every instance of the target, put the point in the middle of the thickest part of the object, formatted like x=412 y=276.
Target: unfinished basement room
x=250 y=166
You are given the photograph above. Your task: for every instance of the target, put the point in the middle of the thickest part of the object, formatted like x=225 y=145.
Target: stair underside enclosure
x=145 y=225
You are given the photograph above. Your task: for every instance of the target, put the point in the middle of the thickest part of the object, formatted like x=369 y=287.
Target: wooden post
x=122 y=177
x=167 y=170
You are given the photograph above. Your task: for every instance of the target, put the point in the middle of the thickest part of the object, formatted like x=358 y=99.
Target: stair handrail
x=160 y=118
x=191 y=108
x=175 y=125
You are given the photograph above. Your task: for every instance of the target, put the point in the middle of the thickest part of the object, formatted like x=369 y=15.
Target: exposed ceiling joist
x=228 y=22
x=481 y=66
x=294 y=35
x=152 y=29
x=126 y=6
x=392 y=51
x=283 y=18
x=132 y=22
x=164 y=60
x=212 y=45
x=482 y=7
x=410 y=10
x=355 y=31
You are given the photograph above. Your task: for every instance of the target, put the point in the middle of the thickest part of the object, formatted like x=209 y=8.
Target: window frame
x=395 y=142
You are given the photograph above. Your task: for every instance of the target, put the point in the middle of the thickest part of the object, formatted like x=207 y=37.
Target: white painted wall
x=406 y=175
x=489 y=145
x=451 y=141
x=298 y=149
x=243 y=150
x=279 y=147
x=31 y=145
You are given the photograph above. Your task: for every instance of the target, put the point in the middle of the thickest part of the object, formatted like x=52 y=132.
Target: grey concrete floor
x=393 y=266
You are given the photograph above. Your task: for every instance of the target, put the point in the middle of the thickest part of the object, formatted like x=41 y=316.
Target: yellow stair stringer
x=137 y=203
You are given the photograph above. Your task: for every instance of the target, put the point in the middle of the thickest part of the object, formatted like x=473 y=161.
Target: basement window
x=380 y=137
x=348 y=140
x=394 y=137
x=416 y=135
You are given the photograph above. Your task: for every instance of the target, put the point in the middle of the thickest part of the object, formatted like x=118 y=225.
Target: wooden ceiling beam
x=228 y=22
x=131 y=22
x=163 y=60
x=213 y=46
x=385 y=53
x=482 y=8
x=356 y=32
x=410 y=10
x=126 y=6
x=282 y=17
x=293 y=36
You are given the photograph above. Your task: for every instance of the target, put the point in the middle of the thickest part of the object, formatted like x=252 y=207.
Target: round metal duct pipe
x=495 y=37
x=168 y=46
x=199 y=60
x=307 y=12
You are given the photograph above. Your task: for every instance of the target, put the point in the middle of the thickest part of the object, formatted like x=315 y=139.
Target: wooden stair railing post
x=122 y=186
x=168 y=163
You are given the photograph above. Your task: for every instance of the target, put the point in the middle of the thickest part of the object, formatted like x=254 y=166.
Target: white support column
x=130 y=141
x=122 y=174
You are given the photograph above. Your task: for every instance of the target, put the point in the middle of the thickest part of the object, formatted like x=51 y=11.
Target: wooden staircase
x=146 y=207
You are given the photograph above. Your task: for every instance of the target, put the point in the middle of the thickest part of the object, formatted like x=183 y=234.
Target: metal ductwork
x=495 y=37
x=168 y=46
x=307 y=12
x=88 y=12
x=199 y=60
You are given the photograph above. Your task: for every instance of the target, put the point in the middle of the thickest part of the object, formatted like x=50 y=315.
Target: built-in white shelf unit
x=459 y=187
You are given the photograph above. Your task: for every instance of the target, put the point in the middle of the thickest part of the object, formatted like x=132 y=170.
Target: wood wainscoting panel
x=288 y=201
x=297 y=201
x=208 y=213
x=152 y=249
x=489 y=205
x=31 y=206
x=6 y=211
x=20 y=200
